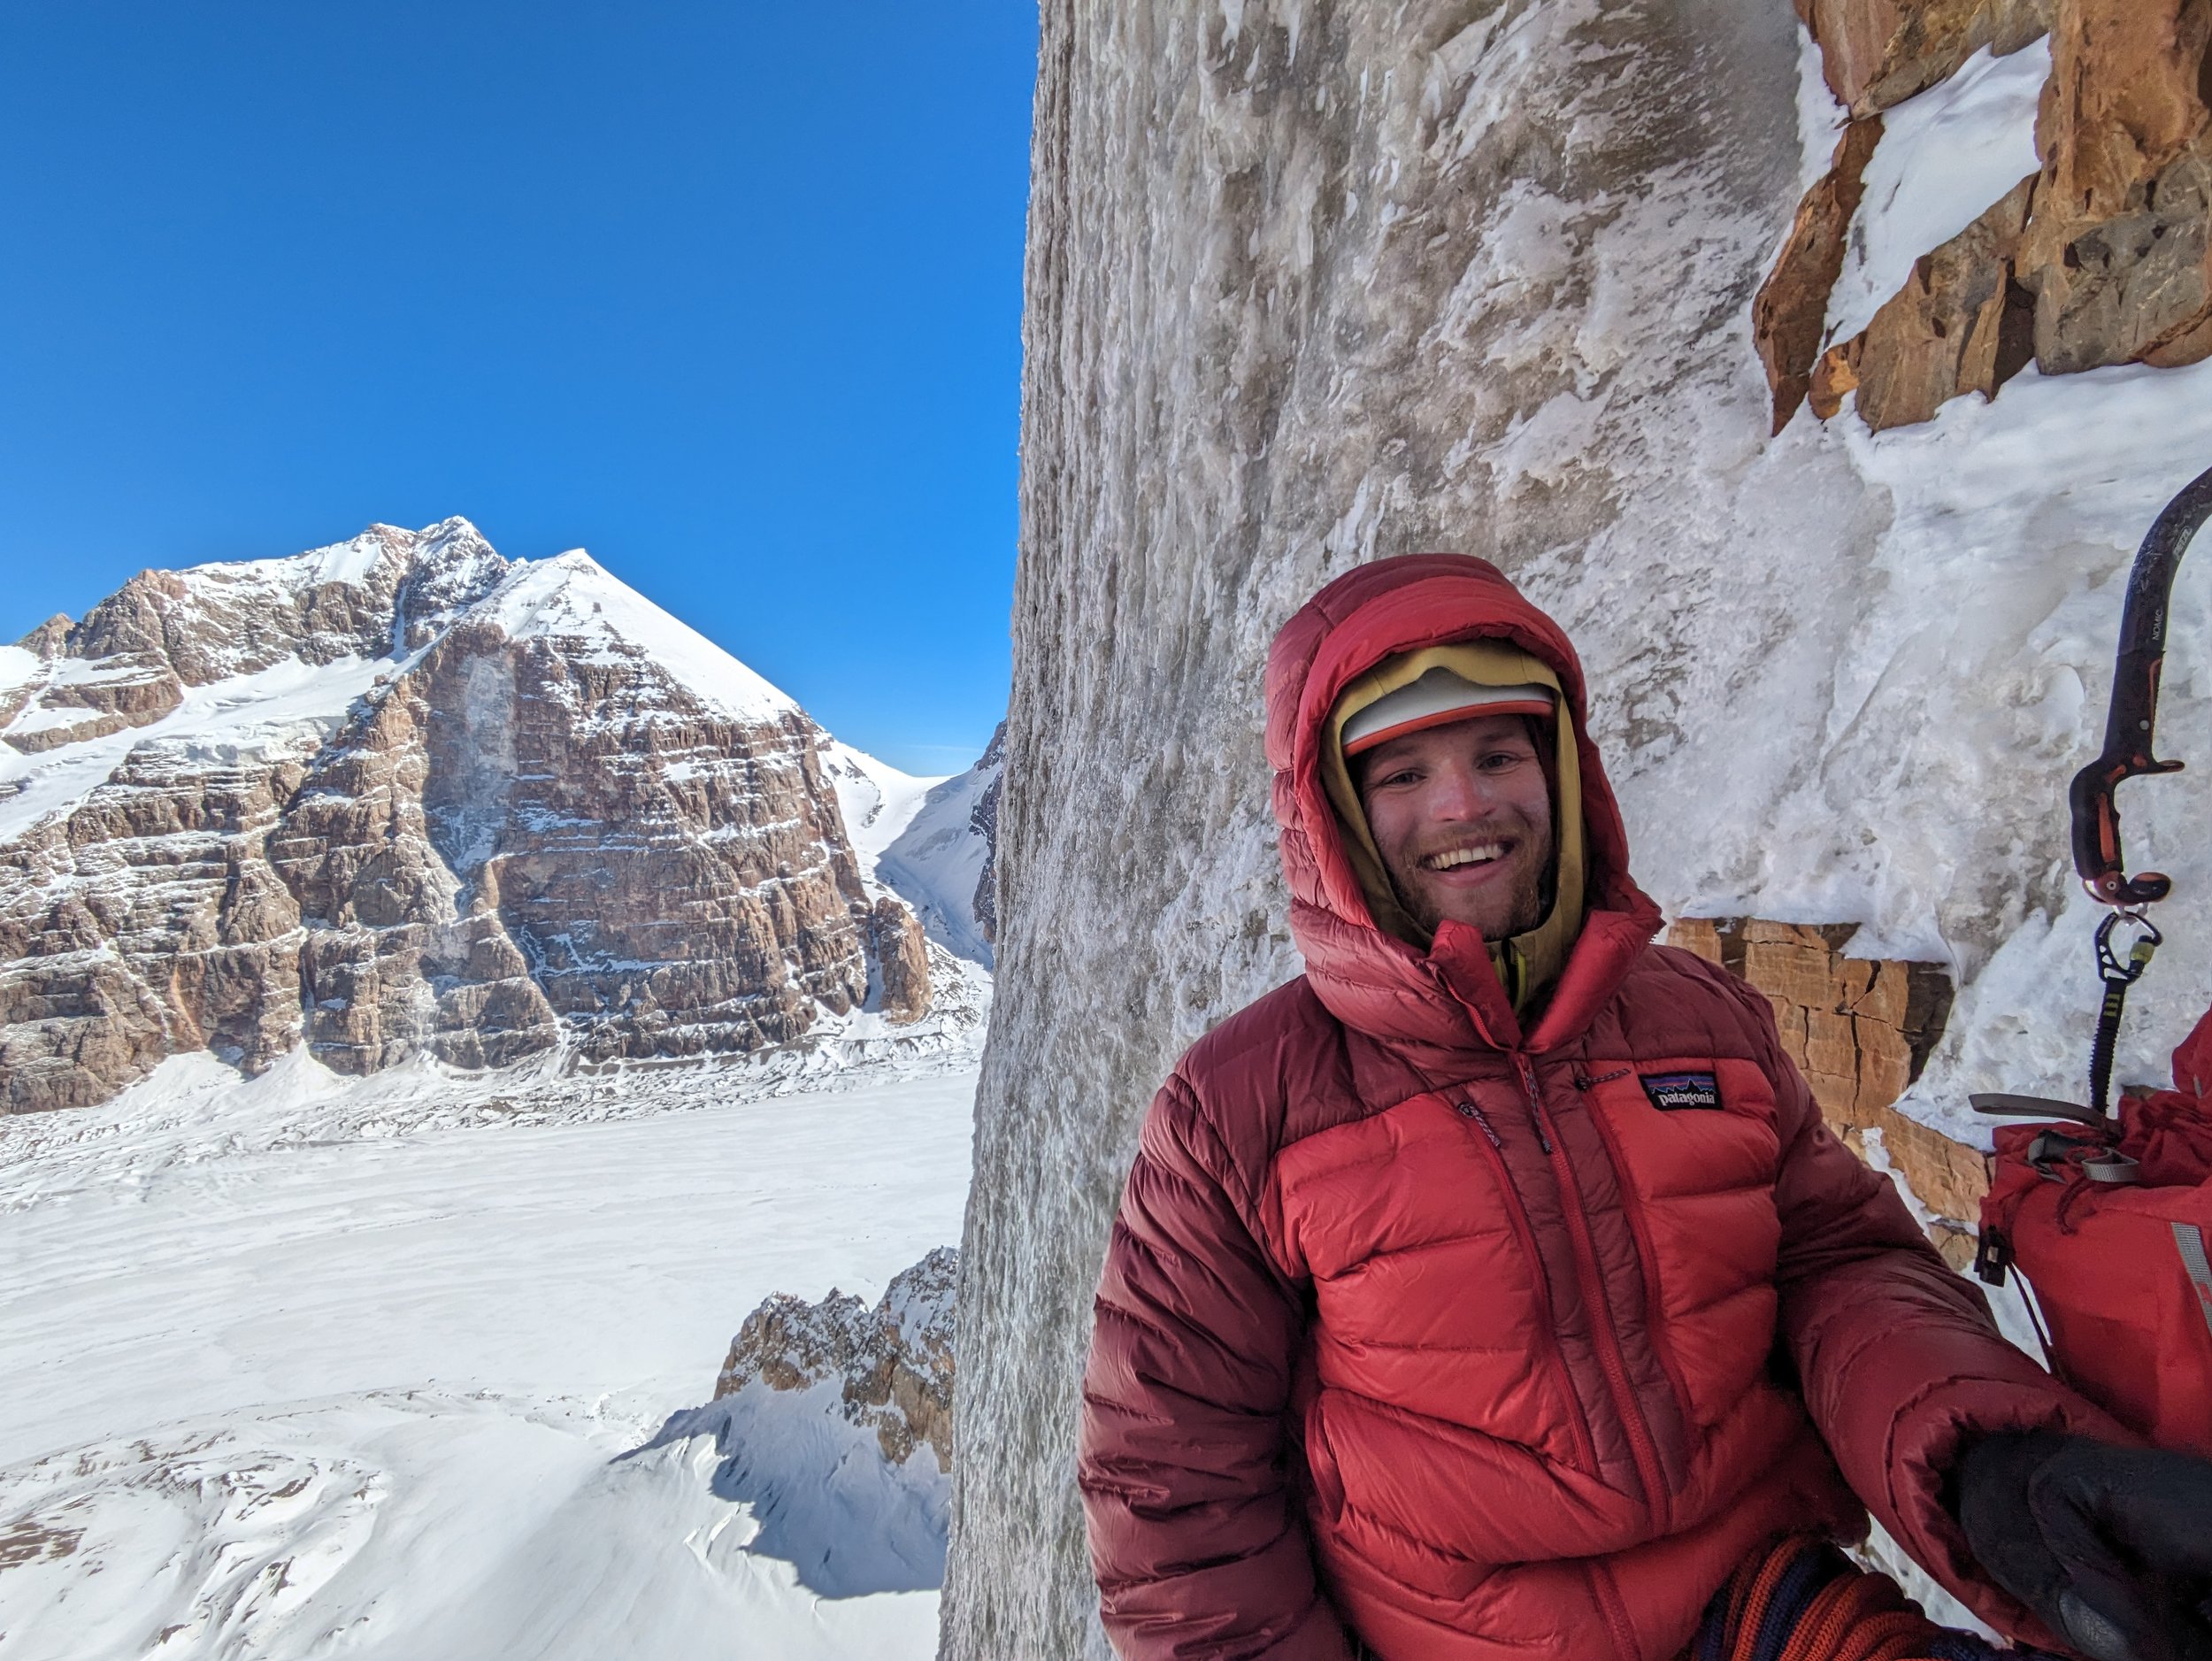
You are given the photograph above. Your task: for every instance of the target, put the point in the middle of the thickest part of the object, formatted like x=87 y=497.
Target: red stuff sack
x=2121 y=1271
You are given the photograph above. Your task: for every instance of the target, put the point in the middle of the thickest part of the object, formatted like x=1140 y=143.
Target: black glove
x=2112 y=1547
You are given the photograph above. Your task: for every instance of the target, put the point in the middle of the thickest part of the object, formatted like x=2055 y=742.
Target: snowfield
x=311 y=1366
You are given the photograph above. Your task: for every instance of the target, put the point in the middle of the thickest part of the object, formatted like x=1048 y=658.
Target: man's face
x=1462 y=816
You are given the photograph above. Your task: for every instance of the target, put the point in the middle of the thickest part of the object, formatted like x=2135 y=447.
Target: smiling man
x=1494 y=1290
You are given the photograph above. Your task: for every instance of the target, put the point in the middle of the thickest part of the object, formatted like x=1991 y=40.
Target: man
x=1494 y=1290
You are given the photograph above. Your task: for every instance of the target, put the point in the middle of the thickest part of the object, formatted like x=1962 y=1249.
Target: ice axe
x=2131 y=725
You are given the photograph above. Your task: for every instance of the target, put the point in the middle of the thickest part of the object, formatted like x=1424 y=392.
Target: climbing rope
x=1805 y=1600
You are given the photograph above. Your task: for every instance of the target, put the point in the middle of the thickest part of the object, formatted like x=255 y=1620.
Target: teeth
x=1481 y=854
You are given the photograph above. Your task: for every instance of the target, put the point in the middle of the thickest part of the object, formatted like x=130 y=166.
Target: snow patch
x=877 y=801
x=283 y=1396
x=19 y=666
x=289 y=709
x=820 y=1492
x=1946 y=157
x=936 y=861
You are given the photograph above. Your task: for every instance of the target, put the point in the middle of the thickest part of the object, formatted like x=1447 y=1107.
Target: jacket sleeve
x=1197 y=1535
x=1899 y=1359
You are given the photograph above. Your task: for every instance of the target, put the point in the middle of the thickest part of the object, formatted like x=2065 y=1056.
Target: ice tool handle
x=2134 y=713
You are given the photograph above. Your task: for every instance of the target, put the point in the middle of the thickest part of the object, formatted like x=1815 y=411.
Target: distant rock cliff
x=400 y=796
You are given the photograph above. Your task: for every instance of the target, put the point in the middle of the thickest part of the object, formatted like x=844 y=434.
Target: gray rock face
x=1306 y=284
x=401 y=797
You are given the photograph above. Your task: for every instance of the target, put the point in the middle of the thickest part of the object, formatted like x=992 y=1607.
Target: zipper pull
x=1468 y=1110
x=1535 y=1101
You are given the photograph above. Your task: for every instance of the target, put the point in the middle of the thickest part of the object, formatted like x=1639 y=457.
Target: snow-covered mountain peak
x=597 y=618
x=398 y=795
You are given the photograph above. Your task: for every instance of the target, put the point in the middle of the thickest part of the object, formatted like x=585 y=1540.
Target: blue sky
x=728 y=293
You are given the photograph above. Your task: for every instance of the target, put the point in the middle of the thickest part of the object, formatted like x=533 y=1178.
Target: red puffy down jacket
x=1480 y=1342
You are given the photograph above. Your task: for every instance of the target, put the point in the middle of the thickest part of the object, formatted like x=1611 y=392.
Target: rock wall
x=400 y=797
x=1311 y=283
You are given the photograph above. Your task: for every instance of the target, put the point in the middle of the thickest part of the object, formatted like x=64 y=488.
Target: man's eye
x=1499 y=760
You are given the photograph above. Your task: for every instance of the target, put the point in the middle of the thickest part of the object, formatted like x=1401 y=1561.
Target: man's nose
x=1463 y=793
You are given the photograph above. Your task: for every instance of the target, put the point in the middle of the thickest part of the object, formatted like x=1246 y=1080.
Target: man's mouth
x=1471 y=854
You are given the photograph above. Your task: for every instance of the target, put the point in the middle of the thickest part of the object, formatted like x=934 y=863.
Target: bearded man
x=1494 y=1290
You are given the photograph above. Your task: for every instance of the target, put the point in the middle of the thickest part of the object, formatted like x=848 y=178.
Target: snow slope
x=285 y=711
x=573 y=598
x=917 y=838
x=1943 y=159
x=879 y=801
x=938 y=859
x=281 y=1378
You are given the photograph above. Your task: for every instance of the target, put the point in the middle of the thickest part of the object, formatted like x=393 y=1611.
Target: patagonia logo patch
x=1672 y=1092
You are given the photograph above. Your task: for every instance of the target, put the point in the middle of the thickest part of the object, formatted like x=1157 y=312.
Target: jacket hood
x=1448 y=997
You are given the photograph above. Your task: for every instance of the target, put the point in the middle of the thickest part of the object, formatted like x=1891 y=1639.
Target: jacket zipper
x=1586 y=1445
x=1607 y=1591
x=1645 y=1250
x=1640 y=1441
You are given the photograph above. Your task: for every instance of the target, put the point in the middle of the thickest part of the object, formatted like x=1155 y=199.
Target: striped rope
x=1805 y=1600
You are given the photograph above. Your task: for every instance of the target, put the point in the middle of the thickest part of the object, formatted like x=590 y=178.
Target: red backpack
x=2120 y=1268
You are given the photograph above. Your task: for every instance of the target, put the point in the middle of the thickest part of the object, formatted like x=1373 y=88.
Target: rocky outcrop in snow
x=402 y=796
x=831 y=1424
x=892 y=1364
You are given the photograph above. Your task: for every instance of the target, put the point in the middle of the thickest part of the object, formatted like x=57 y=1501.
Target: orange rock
x=1791 y=311
x=1960 y=323
x=1796 y=970
x=1698 y=935
x=1835 y=377
x=1876 y=53
x=2118 y=253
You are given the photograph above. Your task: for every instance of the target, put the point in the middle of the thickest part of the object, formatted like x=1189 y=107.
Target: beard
x=1521 y=906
